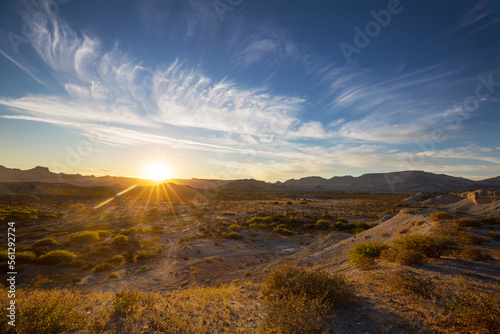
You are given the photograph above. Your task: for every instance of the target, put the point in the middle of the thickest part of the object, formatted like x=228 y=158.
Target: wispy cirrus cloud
x=478 y=12
x=265 y=44
x=107 y=89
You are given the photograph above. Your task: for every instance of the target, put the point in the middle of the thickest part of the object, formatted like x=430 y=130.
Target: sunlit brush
x=112 y=198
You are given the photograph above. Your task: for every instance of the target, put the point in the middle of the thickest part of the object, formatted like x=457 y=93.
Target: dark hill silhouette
x=393 y=182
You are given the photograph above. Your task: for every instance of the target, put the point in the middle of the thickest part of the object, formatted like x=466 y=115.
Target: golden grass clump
x=57 y=257
x=85 y=237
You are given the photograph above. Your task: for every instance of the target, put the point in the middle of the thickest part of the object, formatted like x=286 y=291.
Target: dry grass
x=225 y=309
x=446 y=305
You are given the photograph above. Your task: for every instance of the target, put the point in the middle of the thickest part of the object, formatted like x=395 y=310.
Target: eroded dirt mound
x=442 y=199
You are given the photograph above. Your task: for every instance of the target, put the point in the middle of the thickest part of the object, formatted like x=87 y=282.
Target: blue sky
x=251 y=89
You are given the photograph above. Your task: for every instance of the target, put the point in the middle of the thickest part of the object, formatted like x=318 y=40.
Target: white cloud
x=109 y=87
x=266 y=44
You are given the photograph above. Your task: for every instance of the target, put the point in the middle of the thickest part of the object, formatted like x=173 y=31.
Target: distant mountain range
x=394 y=182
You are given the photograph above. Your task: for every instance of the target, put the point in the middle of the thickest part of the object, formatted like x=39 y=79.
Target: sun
x=157 y=171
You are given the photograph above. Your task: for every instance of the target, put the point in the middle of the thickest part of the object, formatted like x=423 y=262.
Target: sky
x=232 y=89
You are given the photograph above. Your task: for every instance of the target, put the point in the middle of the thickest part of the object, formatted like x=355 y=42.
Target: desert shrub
x=466 y=222
x=48 y=312
x=428 y=245
x=117 y=259
x=131 y=231
x=408 y=282
x=57 y=256
x=494 y=235
x=103 y=234
x=235 y=228
x=322 y=224
x=126 y=302
x=283 y=231
x=402 y=231
x=257 y=220
x=309 y=226
x=491 y=220
x=476 y=312
x=417 y=223
x=208 y=260
x=295 y=314
x=113 y=275
x=342 y=220
x=120 y=240
x=233 y=235
x=440 y=215
x=259 y=226
x=45 y=242
x=25 y=257
x=472 y=253
x=144 y=254
x=457 y=235
x=104 y=267
x=353 y=228
x=78 y=263
x=290 y=279
x=363 y=254
x=402 y=256
x=157 y=229
x=100 y=251
x=85 y=237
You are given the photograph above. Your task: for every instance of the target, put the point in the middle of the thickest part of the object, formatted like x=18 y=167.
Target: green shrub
x=312 y=284
x=259 y=226
x=45 y=242
x=354 y=228
x=440 y=215
x=131 y=231
x=157 y=229
x=491 y=220
x=144 y=254
x=103 y=234
x=476 y=312
x=458 y=236
x=235 y=228
x=363 y=254
x=117 y=259
x=322 y=224
x=120 y=240
x=283 y=231
x=472 y=253
x=408 y=282
x=57 y=256
x=104 y=267
x=78 y=263
x=233 y=235
x=101 y=251
x=257 y=220
x=428 y=245
x=294 y=314
x=25 y=257
x=85 y=237
x=402 y=256
x=466 y=222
